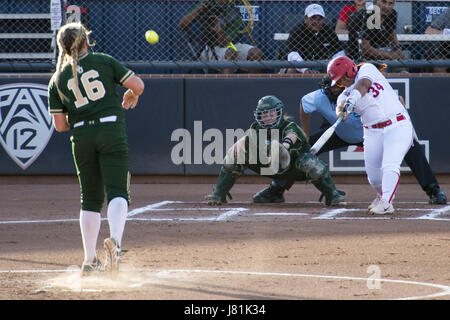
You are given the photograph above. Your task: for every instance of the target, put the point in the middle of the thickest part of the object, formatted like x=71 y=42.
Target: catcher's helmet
x=332 y=94
x=340 y=66
x=265 y=105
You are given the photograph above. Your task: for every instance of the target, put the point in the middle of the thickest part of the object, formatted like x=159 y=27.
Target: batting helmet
x=266 y=104
x=340 y=66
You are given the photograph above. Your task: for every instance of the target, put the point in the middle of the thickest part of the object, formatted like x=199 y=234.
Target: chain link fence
x=233 y=30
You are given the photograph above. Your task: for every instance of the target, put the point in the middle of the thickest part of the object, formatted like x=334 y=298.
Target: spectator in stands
x=220 y=25
x=441 y=25
x=373 y=35
x=312 y=40
x=341 y=25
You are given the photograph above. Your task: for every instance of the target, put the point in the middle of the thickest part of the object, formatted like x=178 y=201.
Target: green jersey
x=96 y=95
x=287 y=126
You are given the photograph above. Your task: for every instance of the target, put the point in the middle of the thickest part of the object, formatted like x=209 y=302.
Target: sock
x=374 y=176
x=90 y=228
x=117 y=216
x=390 y=183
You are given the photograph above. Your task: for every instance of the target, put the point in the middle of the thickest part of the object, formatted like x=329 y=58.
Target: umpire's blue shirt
x=350 y=131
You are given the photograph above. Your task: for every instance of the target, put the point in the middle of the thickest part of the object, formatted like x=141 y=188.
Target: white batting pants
x=384 y=150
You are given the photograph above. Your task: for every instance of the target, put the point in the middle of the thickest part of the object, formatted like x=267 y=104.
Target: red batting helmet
x=340 y=66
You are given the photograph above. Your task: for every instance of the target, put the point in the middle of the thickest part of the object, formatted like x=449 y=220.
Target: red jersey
x=346 y=11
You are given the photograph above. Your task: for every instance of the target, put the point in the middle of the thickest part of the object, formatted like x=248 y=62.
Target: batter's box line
x=433 y=215
x=229 y=212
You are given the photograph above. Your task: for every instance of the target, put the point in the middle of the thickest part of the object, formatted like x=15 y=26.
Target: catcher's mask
x=269 y=112
x=332 y=94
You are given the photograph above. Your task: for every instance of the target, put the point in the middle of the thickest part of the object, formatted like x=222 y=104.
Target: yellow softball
x=151 y=36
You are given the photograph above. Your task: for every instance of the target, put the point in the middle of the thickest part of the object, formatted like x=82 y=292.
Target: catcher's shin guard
x=225 y=182
x=326 y=185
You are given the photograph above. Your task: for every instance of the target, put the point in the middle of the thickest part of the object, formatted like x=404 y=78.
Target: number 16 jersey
x=96 y=95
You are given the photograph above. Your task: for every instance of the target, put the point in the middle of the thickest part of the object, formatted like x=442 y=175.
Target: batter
x=388 y=131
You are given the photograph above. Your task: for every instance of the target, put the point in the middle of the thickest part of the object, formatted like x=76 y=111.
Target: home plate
x=281 y=214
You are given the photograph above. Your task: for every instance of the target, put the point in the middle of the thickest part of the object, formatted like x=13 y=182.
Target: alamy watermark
x=374 y=280
x=374 y=20
x=263 y=148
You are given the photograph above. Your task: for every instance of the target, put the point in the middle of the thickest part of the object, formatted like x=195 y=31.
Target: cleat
x=215 y=200
x=112 y=250
x=337 y=198
x=383 y=207
x=271 y=194
x=374 y=202
x=438 y=198
x=90 y=268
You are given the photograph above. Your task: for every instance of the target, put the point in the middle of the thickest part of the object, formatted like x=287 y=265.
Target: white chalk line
x=150 y=207
x=433 y=215
x=281 y=214
x=231 y=212
x=445 y=289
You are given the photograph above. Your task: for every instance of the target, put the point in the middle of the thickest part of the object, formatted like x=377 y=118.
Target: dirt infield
x=176 y=247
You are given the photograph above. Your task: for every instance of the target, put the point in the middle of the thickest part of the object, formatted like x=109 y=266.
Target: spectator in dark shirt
x=341 y=24
x=221 y=26
x=441 y=25
x=312 y=40
x=372 y=33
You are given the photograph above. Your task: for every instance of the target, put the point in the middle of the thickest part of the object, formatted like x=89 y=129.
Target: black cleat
x=271 y=194
x=438 y=198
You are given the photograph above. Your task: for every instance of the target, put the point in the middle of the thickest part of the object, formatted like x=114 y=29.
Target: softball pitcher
x=82 y=98
x=388 y=131
x=284 y=140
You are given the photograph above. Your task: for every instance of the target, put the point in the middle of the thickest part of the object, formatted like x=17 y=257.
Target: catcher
x=274 y=146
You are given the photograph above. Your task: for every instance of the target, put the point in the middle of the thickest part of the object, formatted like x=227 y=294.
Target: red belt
x=386 y=123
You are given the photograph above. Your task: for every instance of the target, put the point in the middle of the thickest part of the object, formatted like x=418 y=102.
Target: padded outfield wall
x=180 y=121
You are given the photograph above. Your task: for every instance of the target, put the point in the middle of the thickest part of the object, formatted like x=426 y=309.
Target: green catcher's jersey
x=286 y=127
x=96 y=95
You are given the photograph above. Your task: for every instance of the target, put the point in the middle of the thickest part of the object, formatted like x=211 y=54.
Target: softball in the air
x=151 y=36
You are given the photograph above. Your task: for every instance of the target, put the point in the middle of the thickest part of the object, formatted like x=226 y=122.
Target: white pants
x=384 y=150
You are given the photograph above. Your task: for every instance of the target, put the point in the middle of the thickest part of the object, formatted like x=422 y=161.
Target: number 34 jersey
x=96 y=95
x=380 y=103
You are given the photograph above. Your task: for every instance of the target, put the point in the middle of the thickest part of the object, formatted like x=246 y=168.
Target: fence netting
x=232 y=30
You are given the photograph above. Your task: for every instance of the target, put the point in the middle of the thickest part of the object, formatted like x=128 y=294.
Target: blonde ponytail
x=70 y=39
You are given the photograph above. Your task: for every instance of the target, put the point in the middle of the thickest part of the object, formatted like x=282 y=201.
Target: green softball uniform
x=304 y=166
x=97 y=120
x=286 y=127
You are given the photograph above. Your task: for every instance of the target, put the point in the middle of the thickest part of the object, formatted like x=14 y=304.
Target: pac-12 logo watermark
x=25 y=124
